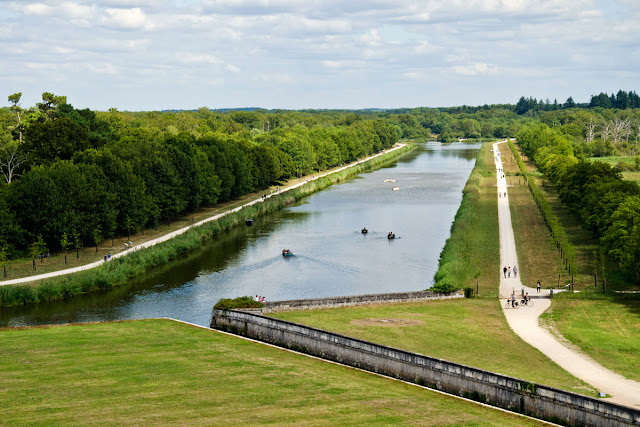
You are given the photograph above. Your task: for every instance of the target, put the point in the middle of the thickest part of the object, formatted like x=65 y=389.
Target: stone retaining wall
x=498 y=390
x=331 y=302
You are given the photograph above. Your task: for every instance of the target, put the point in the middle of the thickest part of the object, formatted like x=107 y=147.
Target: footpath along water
x=524 y=321
x=331 y=256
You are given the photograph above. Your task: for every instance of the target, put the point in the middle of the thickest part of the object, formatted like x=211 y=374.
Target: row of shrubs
x=240 y=302
x=119 y=270
x=551 y=221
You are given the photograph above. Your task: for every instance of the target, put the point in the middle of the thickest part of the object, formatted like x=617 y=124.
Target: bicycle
x=508 y=304
x=528 y=303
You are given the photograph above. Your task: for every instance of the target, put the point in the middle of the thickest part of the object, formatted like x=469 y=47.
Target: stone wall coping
x=436 y=364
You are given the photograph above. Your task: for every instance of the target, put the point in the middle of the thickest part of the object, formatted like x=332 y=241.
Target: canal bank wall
x=498 y=390
x=349 y=301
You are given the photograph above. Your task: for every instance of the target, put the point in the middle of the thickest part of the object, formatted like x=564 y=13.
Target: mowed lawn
x=165 y=372
x=473 y=332
x=605 y=330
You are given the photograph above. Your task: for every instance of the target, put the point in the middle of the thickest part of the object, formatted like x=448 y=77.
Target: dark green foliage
x=595 y=191
x=469 y=292
x=119 y=270
x=239 y=302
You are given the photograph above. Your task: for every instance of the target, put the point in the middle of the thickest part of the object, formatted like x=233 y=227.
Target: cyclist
x=513 y=301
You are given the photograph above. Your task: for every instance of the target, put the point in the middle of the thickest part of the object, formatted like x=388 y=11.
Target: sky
x=293 y=54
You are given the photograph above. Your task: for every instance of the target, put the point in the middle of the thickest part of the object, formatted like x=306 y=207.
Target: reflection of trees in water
x=214 y=256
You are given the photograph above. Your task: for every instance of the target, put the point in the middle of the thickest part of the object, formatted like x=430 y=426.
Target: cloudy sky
x=183 y=54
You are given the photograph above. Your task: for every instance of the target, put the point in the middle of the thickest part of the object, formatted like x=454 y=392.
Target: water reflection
x=331 y=257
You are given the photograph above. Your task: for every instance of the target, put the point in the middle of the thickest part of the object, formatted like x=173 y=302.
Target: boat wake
x=340 y=267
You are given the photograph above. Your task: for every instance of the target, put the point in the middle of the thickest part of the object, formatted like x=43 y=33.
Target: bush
x=443 y=287
x=240 y=302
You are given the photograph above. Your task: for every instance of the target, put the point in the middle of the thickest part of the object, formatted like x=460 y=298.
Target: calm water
x=332 y=257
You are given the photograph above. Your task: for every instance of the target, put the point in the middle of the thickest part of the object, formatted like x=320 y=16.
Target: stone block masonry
x=348 y=301
x=494 y=389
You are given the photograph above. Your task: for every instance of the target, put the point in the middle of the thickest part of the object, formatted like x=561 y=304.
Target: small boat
x=389 y=180
x=391 y=236
x=365 y=231
x=287 y=252
x=249 y=221
x=396 y=188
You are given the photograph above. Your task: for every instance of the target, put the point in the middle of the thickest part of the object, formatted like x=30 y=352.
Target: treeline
x=457 y=123
x=595 y=191
x=76 y=177
x=622 y=100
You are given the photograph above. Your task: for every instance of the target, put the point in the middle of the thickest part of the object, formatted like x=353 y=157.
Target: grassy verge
x=605 y=330
x=473 y=249
x=163 y=372
x=473 y=332
x=538 y=256
x=119 y=270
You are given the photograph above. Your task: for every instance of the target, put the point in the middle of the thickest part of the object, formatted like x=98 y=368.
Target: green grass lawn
x=473 y=332
x=631 y=176
x=472 y=252
x=605 y=330
x=165 y=372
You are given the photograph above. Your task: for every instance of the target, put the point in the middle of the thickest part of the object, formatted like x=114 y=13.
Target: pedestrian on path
x=509 y=272
x=504 y=270
x=538 y=286
x=515 y=271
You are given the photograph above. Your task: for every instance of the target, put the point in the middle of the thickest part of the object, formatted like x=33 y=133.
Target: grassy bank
x=473 y=332
x=164 y=372
x=606 y=330
x=119 y=270
x=473 y=249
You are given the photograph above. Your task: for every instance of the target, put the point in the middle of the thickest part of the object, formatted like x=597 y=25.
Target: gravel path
x=524 y=320
x=185 y=229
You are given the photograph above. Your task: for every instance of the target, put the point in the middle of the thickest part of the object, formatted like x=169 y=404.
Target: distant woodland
x=74 y=177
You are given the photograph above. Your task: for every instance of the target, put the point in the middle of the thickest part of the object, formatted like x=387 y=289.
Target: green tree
x=621 y=240
x=97 y=237
x=64 y=244
x=4 y=257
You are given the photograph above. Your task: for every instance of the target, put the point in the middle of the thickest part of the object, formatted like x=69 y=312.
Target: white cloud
x=474 y=69
x=128 y=19
x=354 y=49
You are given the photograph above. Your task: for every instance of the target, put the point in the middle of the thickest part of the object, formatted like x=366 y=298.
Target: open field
x=605 y=330
x=473 y=332
x=165 y=372
x=631 y=176
x=473 y=250
x=628 y=162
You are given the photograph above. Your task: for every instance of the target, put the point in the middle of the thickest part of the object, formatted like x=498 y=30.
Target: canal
x=331 y=256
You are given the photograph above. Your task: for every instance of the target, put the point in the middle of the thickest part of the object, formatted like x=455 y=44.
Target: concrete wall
x=499 y=390
x=331 y=302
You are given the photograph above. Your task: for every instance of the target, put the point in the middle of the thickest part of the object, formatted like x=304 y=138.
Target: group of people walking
x=507 y=271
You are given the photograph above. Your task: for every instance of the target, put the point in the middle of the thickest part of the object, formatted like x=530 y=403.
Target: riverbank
x=120 y=269
x=471 y=255
x=166 y=372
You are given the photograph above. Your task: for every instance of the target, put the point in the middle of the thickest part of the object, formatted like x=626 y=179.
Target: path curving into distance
x=525 y=320
x=173 y=234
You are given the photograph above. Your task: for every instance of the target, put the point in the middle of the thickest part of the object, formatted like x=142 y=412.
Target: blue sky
x=183 y=54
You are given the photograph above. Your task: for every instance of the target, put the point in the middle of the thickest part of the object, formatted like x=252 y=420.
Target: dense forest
x=74 y=177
